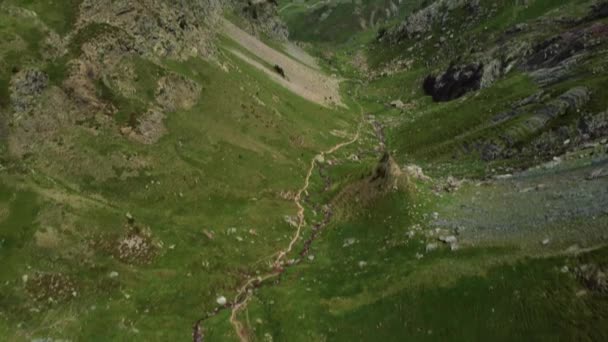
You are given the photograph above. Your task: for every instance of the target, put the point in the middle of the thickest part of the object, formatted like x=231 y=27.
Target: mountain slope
x=495 y=111
x=145 y=169
x=180 y=170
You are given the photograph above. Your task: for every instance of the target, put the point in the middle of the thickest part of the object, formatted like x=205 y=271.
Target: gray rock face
x=263 y=14
x=594 y=126
x=556 y=58
x=589 y=128
x=175 y=29
x=25 y=87
x=552 y=75
x=598 y=10
x=422 y=21
x=573 y=99
x=454 y=82
x=491 y=72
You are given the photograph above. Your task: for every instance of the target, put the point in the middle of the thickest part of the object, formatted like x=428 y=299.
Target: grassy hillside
x=98 y=230
x=152 y=168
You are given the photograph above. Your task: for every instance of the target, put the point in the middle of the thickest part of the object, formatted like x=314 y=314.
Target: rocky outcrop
x=159 y=28
x=548 y=76
x=534 y=124
x=598 y=11
x=593 y=277
x=454 y=82
x=385 y=178
x=422 y=21
x=150 y=127
x=594 y=126
x=386 y=173
x=264 y=16
x=175 y=92
x=547 y=61
x=114 y=55
x=589 y=131
x=25 y=87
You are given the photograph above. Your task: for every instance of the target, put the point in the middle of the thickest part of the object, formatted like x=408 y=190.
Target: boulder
x=448 y=239
x=397 y=104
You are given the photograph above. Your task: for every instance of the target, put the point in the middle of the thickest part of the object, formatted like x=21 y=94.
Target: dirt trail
x=244 y=295
x=300 y=78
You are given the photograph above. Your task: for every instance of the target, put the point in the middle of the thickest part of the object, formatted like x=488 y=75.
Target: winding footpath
x=244 y=294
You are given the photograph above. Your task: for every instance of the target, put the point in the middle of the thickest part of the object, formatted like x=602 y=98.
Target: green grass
x=511 y=13
x=220 y=169
x=89 y=33
x=474 y=294
x=59 y=15
x=340 y=23
x=4 y=92
x=444 y=127
x=211 y=172
x=131 y=108
x=17 y=228
x=15 y=55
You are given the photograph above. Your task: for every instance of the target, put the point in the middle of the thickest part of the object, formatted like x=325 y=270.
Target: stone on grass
x=397 y=104
x=448 y=239
x=431 y=247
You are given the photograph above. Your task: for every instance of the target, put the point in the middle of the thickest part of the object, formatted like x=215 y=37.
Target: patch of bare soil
x=299 y=78
x=150 y=127
x=175 y=92
x=50 y=287
x=136 y=246
x=295 y=51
